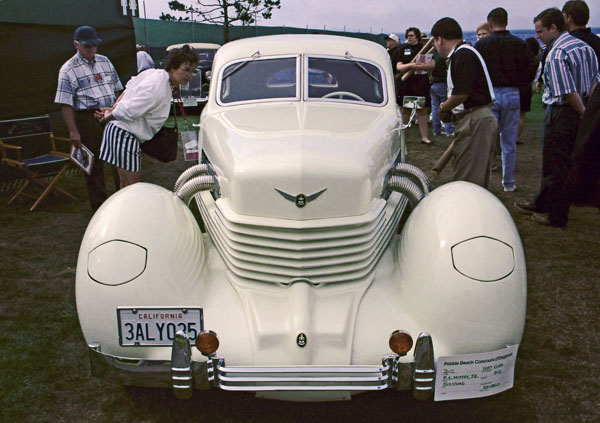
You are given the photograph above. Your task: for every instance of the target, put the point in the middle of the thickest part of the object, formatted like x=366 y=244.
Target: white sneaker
x=510 y=188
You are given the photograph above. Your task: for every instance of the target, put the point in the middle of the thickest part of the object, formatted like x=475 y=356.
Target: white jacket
x=144 y=106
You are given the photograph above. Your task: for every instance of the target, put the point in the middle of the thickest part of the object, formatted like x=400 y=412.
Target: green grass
x=44 y=372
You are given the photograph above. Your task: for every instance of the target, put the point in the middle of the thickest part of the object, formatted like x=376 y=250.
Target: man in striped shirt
x=570 y=75
x=88 y=82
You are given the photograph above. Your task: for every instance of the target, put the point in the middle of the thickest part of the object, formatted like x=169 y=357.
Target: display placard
x=475 y=375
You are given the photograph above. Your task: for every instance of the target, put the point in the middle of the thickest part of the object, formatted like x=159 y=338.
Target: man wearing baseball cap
x=87 y=82
x=392 y=41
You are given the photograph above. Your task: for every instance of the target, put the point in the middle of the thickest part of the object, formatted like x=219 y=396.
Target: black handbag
x=163 y=145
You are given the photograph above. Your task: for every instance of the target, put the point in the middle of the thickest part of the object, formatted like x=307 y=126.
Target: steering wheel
x=342 y=94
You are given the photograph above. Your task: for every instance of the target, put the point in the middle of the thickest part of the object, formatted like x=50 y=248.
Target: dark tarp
x=36 y=38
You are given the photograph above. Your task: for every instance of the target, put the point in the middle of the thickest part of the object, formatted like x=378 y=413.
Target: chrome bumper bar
x=183 y=375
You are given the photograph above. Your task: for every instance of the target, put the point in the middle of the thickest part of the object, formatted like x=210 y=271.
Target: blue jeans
x=439 y=94
x=506 y=109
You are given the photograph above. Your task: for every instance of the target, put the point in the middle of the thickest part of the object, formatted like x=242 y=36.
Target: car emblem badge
x=300 y=200
x=301 y=340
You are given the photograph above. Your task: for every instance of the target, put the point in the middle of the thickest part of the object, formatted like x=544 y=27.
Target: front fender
x=142 y=247
x=462 y=269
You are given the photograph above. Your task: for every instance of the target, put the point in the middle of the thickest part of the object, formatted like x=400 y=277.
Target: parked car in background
x=197 y=89
x=323 y=266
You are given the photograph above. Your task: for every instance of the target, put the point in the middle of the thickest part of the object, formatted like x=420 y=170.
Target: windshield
x=344 y=79
x=327 y=79
x=259 y=79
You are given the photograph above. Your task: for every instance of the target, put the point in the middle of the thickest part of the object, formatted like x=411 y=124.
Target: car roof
x=197 y=46
x=289 y=44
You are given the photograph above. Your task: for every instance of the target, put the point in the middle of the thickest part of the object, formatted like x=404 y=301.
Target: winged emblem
x=300 y=200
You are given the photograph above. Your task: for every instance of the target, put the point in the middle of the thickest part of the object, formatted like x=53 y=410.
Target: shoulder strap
x=487 y=75
x=181 y=109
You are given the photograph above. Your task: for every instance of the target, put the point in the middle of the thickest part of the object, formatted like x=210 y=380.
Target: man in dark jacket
x=509 y=62
x=576 y=15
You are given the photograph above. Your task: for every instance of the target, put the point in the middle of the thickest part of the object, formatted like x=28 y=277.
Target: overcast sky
x=392 y=15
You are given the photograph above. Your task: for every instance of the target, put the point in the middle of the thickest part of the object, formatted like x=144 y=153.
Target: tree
x=225 y=12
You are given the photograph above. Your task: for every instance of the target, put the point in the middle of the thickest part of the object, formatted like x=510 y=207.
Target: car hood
x=300 y=160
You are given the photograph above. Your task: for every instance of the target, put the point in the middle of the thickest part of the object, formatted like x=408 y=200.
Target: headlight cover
x=116 y=262
x=483 y=259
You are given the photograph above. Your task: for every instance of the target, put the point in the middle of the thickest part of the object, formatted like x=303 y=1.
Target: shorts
x=120 y=148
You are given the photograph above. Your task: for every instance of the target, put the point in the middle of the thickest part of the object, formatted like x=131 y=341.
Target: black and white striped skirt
x=120 y=148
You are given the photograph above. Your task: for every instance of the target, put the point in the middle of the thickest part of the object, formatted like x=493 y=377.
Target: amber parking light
x=207 y=342
x=400 y=342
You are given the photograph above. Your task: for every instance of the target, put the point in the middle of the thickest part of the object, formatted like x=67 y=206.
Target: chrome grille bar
x=303 y=378
x=346 y=250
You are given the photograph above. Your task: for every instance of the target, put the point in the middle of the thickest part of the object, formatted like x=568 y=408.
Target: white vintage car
x=324 y=265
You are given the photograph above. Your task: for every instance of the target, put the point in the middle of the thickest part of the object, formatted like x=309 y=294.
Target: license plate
x=157 y=326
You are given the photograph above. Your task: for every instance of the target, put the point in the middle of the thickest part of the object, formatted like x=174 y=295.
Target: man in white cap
x=87 y=82
x=391 y=42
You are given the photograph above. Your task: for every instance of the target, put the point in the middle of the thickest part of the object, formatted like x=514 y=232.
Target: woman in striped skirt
x=141 y=111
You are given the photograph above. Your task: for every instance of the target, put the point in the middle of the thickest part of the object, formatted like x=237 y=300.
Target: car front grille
x=319 y=251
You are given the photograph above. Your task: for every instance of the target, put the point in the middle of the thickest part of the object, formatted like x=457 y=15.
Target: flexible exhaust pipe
x=415 y=174
x=406 y=186
x=199 y=169
x=192 y=187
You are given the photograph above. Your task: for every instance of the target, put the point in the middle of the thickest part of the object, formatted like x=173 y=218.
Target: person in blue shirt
x=570 y=76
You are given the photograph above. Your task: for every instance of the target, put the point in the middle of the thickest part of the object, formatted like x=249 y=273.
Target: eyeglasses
x=189 y=70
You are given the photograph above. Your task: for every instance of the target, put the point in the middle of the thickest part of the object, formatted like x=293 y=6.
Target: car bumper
x=183 y=375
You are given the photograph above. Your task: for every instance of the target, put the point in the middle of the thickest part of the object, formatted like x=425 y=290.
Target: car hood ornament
x=301 y=200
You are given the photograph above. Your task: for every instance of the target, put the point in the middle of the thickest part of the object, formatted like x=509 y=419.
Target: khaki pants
x=475 y=134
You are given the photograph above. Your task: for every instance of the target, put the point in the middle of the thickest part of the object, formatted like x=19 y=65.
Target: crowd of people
x=478 y=94
x=481 y=94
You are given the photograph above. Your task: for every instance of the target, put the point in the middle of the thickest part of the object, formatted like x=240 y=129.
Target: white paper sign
x=475 y=375
x=189 y=102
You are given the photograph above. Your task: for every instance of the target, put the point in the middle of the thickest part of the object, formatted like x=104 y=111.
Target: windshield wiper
x=361 y=67
x=240 y=66
x=235 y=69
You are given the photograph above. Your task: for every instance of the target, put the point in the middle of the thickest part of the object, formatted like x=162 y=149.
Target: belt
x=86 y=111
x=458 y=116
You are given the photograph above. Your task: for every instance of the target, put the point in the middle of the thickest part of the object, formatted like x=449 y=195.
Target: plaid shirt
x=87 y=85
x=571 y=66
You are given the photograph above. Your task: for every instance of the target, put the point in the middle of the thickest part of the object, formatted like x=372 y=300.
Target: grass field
x=44 y=371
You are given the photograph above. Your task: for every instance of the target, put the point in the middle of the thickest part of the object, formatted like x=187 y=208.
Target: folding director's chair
x=42 y=170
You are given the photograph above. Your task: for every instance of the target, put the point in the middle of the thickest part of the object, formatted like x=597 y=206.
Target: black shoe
x=544 y=219
x=525 y=206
